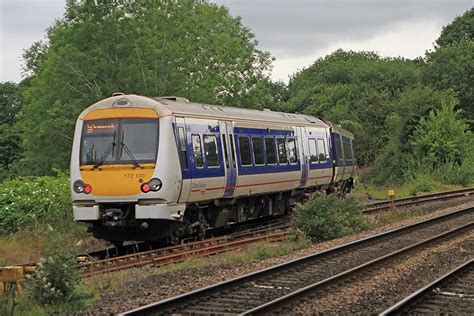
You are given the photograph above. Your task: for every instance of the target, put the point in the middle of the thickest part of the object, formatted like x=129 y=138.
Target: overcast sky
x=296 y=32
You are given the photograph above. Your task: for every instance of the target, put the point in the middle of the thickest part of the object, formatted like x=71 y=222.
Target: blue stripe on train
x=206 y=172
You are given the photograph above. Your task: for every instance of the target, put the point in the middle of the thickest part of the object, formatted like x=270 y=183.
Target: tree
x=191 y=49
x=10 y=144
x=460 y=30
x=357 y=87
x=10 y=103
x=453 y=67
x=441 y=137
x=412 y=105
x=33 y=58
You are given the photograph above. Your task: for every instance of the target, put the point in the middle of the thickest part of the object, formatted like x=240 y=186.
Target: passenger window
x=321 y=150
x=244 y=146
x=210 y=150
x=182 y=147
x=257 y=150
x=292 y=152
x=270 y=151
x=346 y=142
x=313 y=155
x=281 y=151
x=197 y=150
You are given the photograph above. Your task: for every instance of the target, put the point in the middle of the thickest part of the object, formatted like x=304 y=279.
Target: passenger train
x=146 y=168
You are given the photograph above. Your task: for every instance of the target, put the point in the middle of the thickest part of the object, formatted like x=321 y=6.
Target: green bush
x=453 y=173
x=328 y=217
x=55 y=283
x=26 y=201
x=421 y=182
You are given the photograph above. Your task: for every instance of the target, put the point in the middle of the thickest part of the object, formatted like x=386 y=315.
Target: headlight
x=154 y=184
x=80 y=187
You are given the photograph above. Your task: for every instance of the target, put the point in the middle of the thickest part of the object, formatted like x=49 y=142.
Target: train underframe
x=118 y=223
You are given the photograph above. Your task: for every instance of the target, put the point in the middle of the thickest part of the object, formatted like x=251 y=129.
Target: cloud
x=298 y=32
x=297 y=28
x=22 y=23
x=295 y=32
x=405 y=39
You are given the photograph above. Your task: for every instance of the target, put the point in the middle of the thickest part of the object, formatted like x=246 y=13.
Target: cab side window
x=182 y=147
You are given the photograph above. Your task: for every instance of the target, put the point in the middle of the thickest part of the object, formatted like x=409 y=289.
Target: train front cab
x=119 y=183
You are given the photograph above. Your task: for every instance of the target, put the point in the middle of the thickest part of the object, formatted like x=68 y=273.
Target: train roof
x=186 y=108
x=178 y=106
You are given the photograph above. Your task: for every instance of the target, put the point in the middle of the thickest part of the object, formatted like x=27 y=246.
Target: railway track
x=139 y=254
x=451 y=294
x=283 y=285
x=378 y=207
x=275 y=232
x=176 y=254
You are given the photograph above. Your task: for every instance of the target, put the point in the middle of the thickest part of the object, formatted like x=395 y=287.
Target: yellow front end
x=113 y=177
x=117 y=180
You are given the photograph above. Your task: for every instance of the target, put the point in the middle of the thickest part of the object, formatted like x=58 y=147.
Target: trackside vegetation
x=29 y=201
x=54 y=287
x=328 y=217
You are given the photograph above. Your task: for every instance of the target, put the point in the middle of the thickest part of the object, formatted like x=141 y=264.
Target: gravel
x=385 y=286
x=149 y=285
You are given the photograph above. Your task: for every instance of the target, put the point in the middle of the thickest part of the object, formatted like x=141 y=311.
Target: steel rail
x=274 y=231
x=203 y=293
x=384 y=205
x=412 y=298
x=299 y=294
x=125 y=252
x=160 y=258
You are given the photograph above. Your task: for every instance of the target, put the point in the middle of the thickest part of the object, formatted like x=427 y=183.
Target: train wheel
x=176 y=234
x=202 y=227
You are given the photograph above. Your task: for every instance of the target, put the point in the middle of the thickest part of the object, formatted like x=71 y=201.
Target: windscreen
x=119 y=141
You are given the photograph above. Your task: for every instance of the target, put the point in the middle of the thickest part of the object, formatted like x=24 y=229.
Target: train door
x=228 y=148
x=182 y=146
x=302 y=148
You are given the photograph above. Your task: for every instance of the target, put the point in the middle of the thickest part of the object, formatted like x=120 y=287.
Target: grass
x=109 y=282
x=263 y=251
x=396 y=215
x=401 y=191
x=27 y=245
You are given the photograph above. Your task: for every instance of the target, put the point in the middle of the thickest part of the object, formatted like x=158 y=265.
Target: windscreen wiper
x=129 y=153
x=105 y=154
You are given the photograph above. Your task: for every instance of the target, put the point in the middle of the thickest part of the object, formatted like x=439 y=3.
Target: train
x=144 y=169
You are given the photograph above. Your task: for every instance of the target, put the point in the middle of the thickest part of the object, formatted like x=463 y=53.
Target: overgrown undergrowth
x=29 y=201
x=328 y=217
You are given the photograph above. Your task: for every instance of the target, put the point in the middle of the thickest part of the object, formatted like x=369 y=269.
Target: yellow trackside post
x=391 y=194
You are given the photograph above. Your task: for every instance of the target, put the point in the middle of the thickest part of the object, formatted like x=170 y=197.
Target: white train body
x=144 y=168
